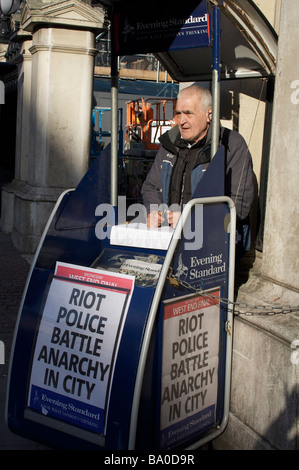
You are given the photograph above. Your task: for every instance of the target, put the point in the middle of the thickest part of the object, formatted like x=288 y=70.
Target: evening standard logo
x=200 y=267
x=141 y=26
x=2 y=92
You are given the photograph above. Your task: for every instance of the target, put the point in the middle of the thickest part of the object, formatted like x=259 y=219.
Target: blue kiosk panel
x=188 y=361
x=70 y=238
x=148 y=407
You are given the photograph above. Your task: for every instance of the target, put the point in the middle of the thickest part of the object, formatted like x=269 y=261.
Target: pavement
x=14 y=269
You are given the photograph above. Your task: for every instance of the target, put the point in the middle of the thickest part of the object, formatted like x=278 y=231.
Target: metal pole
x=114 y=122
x=216 y=81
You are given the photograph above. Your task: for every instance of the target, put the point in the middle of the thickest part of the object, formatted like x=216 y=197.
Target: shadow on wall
x=284 y=429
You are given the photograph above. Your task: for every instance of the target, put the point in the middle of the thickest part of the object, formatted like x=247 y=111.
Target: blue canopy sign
x=161 y=30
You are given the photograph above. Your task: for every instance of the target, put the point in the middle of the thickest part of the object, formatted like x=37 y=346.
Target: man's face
x=193 y=122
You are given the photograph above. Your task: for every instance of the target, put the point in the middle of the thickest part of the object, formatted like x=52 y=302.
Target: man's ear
x=209 y=114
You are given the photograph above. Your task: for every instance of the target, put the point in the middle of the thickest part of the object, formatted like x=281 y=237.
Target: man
x=183 y=157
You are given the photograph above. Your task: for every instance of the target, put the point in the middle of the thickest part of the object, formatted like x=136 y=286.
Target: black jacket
x=239 y=172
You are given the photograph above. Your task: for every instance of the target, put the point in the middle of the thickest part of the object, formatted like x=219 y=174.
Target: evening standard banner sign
x=77 y=344
x=159 y=29
x=190 y=360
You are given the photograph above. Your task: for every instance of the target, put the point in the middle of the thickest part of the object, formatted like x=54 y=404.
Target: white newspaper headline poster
x=190 y=359
x=77 y=343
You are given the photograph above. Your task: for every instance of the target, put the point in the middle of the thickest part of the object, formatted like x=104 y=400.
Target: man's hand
x=173 y=218
x=154 y=219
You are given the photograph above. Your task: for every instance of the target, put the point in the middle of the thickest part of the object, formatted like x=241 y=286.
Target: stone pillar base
x=7 y=205
x=261 y=290
x=265 y=365
x=30 y=208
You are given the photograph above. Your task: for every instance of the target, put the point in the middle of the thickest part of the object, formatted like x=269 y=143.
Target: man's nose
x=183 y=119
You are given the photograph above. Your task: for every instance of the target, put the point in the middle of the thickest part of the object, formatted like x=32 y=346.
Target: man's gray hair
x=204 y=95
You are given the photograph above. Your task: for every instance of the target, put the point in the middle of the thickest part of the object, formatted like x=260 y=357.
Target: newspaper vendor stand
x=102 y=358
x=123 y=345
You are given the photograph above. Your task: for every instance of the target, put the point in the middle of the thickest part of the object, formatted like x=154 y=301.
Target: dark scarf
x=187 y=158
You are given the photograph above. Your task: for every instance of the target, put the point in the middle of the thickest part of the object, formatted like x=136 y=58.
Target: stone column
x=275 y=279
x=62 y=79
x=22 y=135
x=281 y=237
x=58 y=111
x=264 y=393
x=23 y=123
